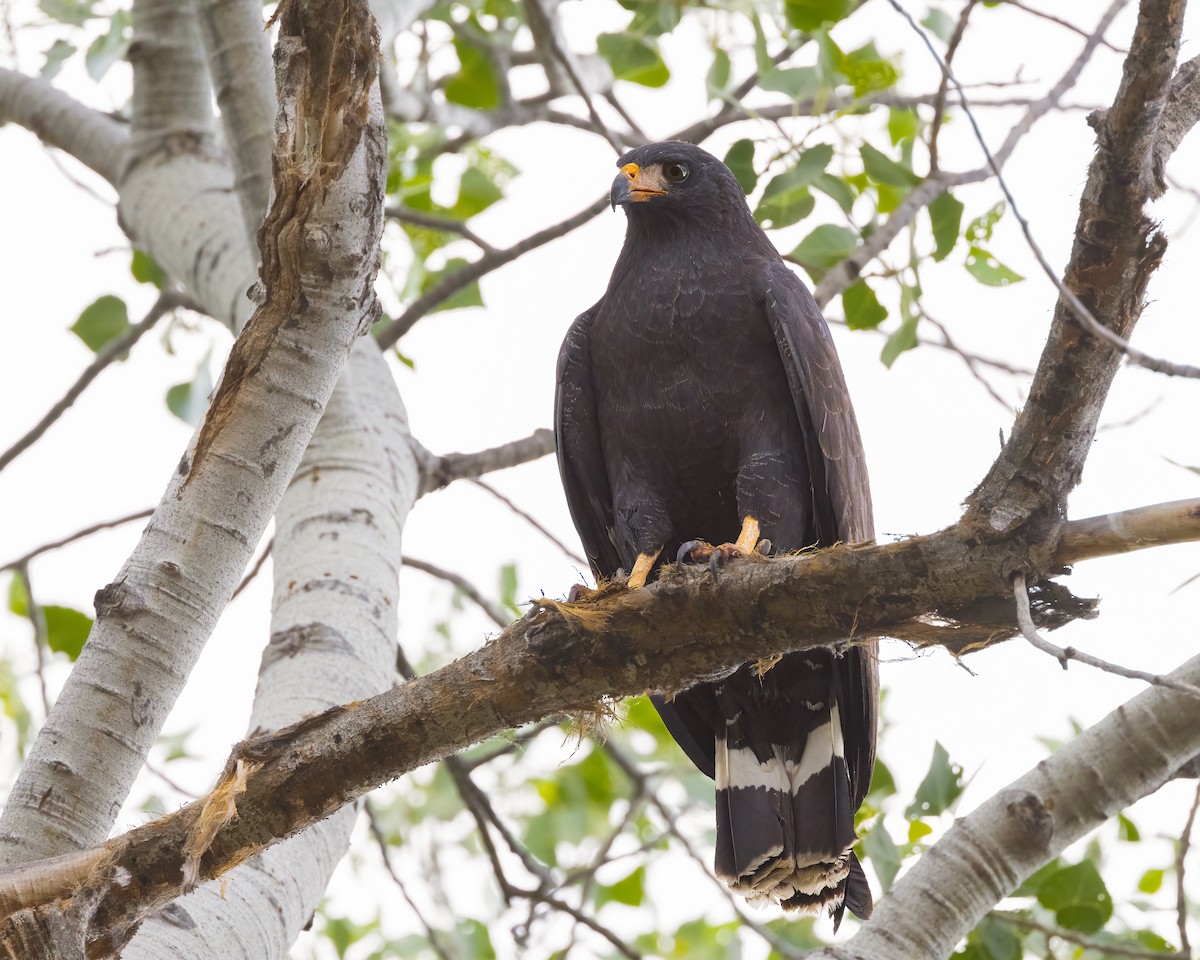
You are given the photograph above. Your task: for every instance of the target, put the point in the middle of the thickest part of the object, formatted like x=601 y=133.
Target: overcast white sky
x=485 y=376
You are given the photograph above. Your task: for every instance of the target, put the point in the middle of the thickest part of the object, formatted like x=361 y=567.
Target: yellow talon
x=641 y=569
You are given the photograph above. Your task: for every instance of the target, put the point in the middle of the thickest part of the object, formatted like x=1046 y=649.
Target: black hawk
x=702 y=398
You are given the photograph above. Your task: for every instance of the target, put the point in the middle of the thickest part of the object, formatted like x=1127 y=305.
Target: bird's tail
x=785 y=821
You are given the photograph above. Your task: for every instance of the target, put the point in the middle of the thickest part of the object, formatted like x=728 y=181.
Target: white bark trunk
x=154 y=619
x=336 y=561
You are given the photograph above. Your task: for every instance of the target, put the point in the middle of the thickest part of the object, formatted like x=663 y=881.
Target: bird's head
x=673 y=180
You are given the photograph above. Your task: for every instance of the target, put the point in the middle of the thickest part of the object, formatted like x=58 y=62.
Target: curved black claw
x=694 y=551
x=764 y=547
x=577 y=592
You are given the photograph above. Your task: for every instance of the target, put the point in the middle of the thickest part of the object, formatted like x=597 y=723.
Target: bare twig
x=431 y=934
x=1104 y=948
x=939 y=105
x=1078 y=308
x=1181 y=912
x=254 y=570
x=71 y=538
x=391 y=334
x=437 y=472
x=1063 y=23
x=37 y=619
x=1064 y=655
x=432 y=221
x=531 y=520
x=114 y=349
x=516 y=742
x=464 y=586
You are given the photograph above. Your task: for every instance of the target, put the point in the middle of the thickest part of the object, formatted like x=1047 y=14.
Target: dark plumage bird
x=702 y=398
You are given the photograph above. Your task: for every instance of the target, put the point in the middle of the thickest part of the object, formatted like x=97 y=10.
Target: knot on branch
x=1029 y=815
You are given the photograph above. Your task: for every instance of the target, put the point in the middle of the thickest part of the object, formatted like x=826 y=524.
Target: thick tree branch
x=562 y=658
x=1117 y=247
x=438 y=471
x=93 y=138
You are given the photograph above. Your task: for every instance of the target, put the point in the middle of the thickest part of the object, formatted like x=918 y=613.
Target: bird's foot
x=579 y=592
x=748 y=544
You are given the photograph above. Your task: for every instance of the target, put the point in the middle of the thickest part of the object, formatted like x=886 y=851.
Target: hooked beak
x=635 y=185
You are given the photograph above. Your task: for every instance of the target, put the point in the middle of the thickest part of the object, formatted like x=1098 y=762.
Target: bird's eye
x=675 y=171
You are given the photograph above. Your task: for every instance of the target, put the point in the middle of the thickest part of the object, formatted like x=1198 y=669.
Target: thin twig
x=1069 y=936
x=1185 y=841
x=1077 y=306
x=1063 y=23
x=381 y=841
x=972 y=363
x=939 y=105
x=1064 y=655
x=432 y=221
x=71 y=538
x=467 y=275
x=37 y=619
x=166 y=302
x=513 y=744
x=464 y=586
x=548 y=38
x=531 y=520
x=254 y=570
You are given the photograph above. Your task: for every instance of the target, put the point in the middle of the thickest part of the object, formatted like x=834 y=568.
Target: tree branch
x=94 y=139
x=113 y=350
x=565 y=657
x=437 y=472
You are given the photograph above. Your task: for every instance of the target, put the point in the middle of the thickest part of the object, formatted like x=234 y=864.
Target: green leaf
x=988 y=270
x=476 y=940
x=106 y=50
x=74 y=12
x=145 y=269
x=918 y=830
x=797 y=82
x=740 y=159
x=938 y=22
x=863 y=309
x=810 y=14
x=867 y=71
x=468 y=296
x=836 y=189
x=996 y=940
x=633 y=58
x=1151 y=881
x=58 y=54
x=883 y=784
x=941 y=786
x=904 y=338
x=786 y=198
x=883 y=169
x=476 y=192
x=66 y=630
x=14 y=705
x=652 y=17
x=100 y=322
x=630 y=891
x=902 y=124
x=1078 y=897
x=18 y=596
x=718 y=74
x=188 y=401
x=980 y=228
x=475 y=84
x=885 y=857
x=1127 y=830
x=508 y=587
x=827 y=246
x=945 y=217
x=1030 y=887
